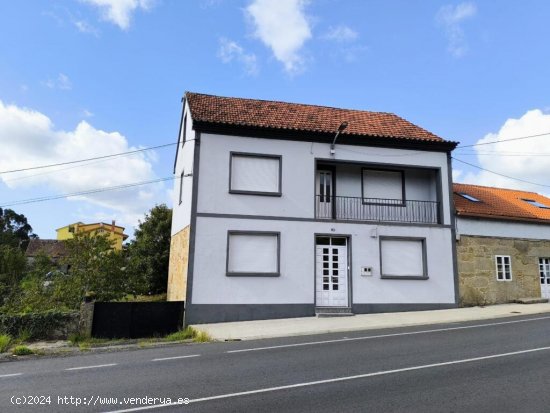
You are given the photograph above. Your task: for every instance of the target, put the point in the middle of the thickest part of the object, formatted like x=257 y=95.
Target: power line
x=499 y=174
x=89 y=159
x=506 y=140
x=87 y=192
x=504 y=154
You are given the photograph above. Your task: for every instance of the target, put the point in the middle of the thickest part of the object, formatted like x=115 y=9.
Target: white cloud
x=526 y=159
x=230 y=50
x=62 y=82
x=457 y=173
x=341 y=34
x=451 y=18
x=120 y=12
x=283 y=27
x=87 y=114
x=29 y=138
x=84 y=27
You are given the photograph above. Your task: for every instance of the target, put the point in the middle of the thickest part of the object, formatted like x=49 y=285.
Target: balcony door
x=325 y=188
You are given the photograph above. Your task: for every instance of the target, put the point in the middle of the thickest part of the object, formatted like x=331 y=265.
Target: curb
x=75 y=350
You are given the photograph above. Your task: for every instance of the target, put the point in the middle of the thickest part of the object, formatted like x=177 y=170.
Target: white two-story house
x=288 y=210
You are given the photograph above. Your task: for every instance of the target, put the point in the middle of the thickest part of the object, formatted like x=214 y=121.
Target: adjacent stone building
x=503 y=244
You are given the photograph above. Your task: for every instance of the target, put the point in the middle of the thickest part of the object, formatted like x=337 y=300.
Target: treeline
x=91 y=267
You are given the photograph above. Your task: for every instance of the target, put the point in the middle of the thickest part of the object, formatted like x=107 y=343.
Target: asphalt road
x=490 y=366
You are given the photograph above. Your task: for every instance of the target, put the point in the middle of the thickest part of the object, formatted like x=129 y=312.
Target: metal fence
x=376 y=209
x=136 y=319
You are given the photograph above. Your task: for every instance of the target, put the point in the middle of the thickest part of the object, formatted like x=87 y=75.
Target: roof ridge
x=497 y=187
x=303 y=104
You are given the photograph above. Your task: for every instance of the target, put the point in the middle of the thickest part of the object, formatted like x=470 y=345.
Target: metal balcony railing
x=376 y=209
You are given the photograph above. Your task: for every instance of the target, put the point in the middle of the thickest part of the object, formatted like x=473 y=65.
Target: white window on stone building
x=503 y=267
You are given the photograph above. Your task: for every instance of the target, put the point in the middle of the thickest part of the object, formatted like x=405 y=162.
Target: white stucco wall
x=298 y=174
x=181 y=216
x=296 y=283
x=503 y=229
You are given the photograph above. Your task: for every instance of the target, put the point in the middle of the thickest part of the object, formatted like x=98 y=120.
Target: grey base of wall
x=396 y=308
x=220 y=313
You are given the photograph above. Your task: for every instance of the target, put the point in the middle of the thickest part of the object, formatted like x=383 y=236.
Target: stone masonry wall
x=177 y=271
x=478 y=283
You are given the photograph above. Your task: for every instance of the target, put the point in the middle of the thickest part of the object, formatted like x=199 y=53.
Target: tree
x=149 y=252
x=14 y=229
x=12 y=270
x=95 y=269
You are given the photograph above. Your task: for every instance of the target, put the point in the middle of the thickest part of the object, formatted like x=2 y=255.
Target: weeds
x=5 y=341
x=22 y=351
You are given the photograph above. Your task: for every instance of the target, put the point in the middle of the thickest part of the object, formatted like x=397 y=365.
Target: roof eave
x=502 y=218
x=323 y=137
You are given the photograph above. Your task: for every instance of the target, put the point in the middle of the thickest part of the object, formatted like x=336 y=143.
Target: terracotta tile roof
x=500 y=203
x=50 y=247
x=300 y=117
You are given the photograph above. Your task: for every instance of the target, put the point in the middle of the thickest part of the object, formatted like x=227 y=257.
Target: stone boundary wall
x=177 y=271
x=478 y=284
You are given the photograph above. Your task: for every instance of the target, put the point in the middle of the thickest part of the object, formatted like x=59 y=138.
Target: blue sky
x=87 y=78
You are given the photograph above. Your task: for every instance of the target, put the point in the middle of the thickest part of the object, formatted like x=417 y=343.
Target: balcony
x=376 y=209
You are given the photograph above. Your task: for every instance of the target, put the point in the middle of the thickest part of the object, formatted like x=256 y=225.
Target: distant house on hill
x=114 y=232
x=50 y=247
x=503 y=247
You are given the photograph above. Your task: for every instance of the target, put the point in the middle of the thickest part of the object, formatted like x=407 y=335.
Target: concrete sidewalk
x=248 y=330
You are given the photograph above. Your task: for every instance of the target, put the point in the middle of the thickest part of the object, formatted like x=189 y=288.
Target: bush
x=5 y=341
x=189 y=332
x=181 y=335
x=44 y=325
x=22 y=351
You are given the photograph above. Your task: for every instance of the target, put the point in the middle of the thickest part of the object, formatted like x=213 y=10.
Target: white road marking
x=10 y=375
x=92 y=367
x=410 y=333
x=176 y=357
x=335 y=380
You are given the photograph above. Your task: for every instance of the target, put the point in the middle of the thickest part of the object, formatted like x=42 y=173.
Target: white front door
x=331 y=278
x=325 y=193
x=544 y=272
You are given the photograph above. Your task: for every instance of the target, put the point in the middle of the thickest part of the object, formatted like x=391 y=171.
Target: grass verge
x=5 y=341
x=22 y=351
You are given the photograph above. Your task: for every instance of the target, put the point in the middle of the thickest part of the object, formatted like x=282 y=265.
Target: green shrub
x=202 y=337
x=181 y=335
x=5 y=341
x=24 y=335
x=22 y=351
x=43 y=325
x=189 y=332
x=76 y=338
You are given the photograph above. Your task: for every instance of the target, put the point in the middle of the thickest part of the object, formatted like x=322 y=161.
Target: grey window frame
x=503 y=272
x=256 y=155
x=403 y=192
x=253 y=273
x=405 y=277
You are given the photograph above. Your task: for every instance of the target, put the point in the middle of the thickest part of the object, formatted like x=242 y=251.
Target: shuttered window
x=383 y=186
x=255 y=174
x=253 y=253
x=403 y=258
